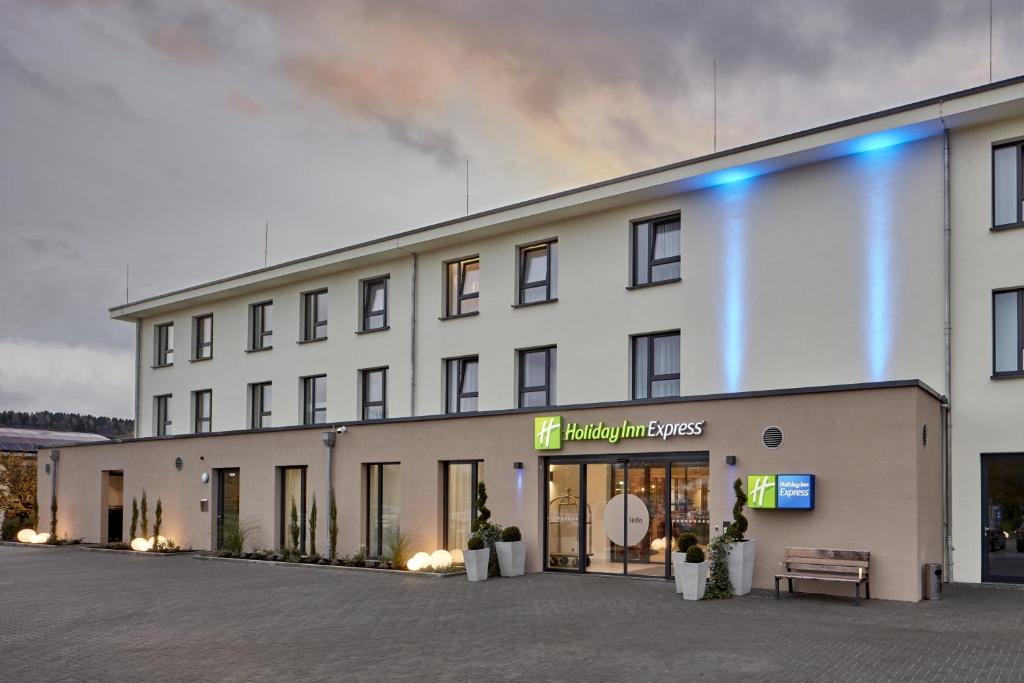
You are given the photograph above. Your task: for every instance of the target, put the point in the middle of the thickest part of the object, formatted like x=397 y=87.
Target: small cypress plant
x=53 y=519
x=134 y=528
x=312 y=527
x=332 y=529
x=159 y=518
x=34 y=514
x=293 y=527
x=482 y=513
x=145 y=515
x=739 y=525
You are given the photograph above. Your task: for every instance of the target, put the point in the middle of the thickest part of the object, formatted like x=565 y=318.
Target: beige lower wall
x=878 y=487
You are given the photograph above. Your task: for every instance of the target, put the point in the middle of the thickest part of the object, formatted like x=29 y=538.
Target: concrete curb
x=136 y=553
x=274 y=563
x=49 y=546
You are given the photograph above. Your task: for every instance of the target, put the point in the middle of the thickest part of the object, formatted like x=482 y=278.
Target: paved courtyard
x=70 y=614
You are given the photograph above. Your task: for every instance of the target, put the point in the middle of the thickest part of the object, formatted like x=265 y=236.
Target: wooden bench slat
x=828 y=561
x=829 y=553
x=822 y=576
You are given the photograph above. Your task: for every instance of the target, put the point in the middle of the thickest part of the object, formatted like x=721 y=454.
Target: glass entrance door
x=625 y=513
x=227 y=503
x=1002 y=518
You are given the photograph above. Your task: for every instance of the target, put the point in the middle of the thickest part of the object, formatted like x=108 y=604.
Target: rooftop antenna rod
x=989 y=41
x=714 y=116
x=266 y=241
x=126 y=271
x=467 y=187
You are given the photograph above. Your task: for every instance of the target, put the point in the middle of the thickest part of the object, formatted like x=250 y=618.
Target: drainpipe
x=138 y=373
x=412 y=344
x=947 y=455
x=329 y=438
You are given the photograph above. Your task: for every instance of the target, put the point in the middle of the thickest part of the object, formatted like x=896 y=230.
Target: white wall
x=988 y=414
x=825 y=274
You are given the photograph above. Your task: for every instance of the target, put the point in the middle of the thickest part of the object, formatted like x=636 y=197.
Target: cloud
x=65 y=377
x=244 y=105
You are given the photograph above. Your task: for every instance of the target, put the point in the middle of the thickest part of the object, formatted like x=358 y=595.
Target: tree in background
x=18 y=487
x=68 y=422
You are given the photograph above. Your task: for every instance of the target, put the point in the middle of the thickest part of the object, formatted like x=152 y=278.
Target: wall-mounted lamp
x=206 y=477
x=517 y=465
x=730 y=460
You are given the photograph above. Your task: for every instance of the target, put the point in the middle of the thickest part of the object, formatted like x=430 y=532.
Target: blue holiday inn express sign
x=780 y=491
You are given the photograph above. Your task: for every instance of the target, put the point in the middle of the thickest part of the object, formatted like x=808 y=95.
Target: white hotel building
x=846 y=301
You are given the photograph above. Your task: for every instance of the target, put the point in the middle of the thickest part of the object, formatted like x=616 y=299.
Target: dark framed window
x=375 y=304
x=656 y=248
x=462 y=284
x=164 y=339
x=374 y=393
x=382 y=497
x=314 y=400
x=656 y=365
x=314 y=315
x=461 y=478
x=538 y=273
x=1007 y=185
x=537 y=372
x=261 y=326
x=462 y=384
x=261 y=402
x=202 y=411
x=162 y=410
x=293 y=494
x=202 y=337
x=1008 y=332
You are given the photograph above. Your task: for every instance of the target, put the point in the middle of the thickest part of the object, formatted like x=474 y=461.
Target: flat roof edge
x=696 y=398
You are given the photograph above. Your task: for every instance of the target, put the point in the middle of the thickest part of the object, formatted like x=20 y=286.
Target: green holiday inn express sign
x=549 y=433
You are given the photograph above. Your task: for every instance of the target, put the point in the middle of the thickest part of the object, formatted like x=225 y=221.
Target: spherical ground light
x=140 y=544
x=153 y=540
x=457 y=557
x=420 y=560
x=26 y=535
x=41 y=538
x=440 y=559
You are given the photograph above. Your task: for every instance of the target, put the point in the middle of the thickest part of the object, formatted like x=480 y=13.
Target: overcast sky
x=164 y=134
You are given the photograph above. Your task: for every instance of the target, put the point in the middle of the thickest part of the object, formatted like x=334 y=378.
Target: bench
x=826 y=564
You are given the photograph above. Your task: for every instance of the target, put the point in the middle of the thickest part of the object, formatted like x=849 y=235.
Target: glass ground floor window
x=1002 y=517
x=624 y=513
x=382 y=506
x=460 y=483
x=293 y=497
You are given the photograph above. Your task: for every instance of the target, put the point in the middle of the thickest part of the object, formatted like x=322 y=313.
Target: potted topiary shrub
x=691 y=572
x=741 y=550
x=511 y=552
x=476 y=558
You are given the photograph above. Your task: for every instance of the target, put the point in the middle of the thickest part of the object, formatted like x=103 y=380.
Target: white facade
x=811 y=260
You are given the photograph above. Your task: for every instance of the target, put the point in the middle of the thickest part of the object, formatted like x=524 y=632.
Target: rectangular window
x=293 y=498
x=463 y=285
x=261 y=326
x=314 y=315
x=1007 y=195
x=656 y=251
x=656 y=365
x=261 y=400
x=382 y=506
x=1008 y=332
x=162 y=410
x=462 y=384
x=314 y=400
x=537 y=377
x=374 y=393
x=202 y=411
x=538 y=273
x=461 y=479
x=202 y=337
x=375 y=304
x=164 y=337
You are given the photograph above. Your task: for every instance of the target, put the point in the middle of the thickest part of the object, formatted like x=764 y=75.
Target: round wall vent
x=772 y=437
x=924 y=436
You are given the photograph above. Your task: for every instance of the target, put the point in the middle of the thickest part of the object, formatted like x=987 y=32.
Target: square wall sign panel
x=795 y=491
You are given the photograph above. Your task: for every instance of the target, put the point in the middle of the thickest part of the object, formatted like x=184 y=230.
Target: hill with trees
x=114 y=427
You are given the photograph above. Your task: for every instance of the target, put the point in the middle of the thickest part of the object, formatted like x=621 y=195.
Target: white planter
x=741 y=566
x=691 y=577
x=511 y=557
x=476 y=563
